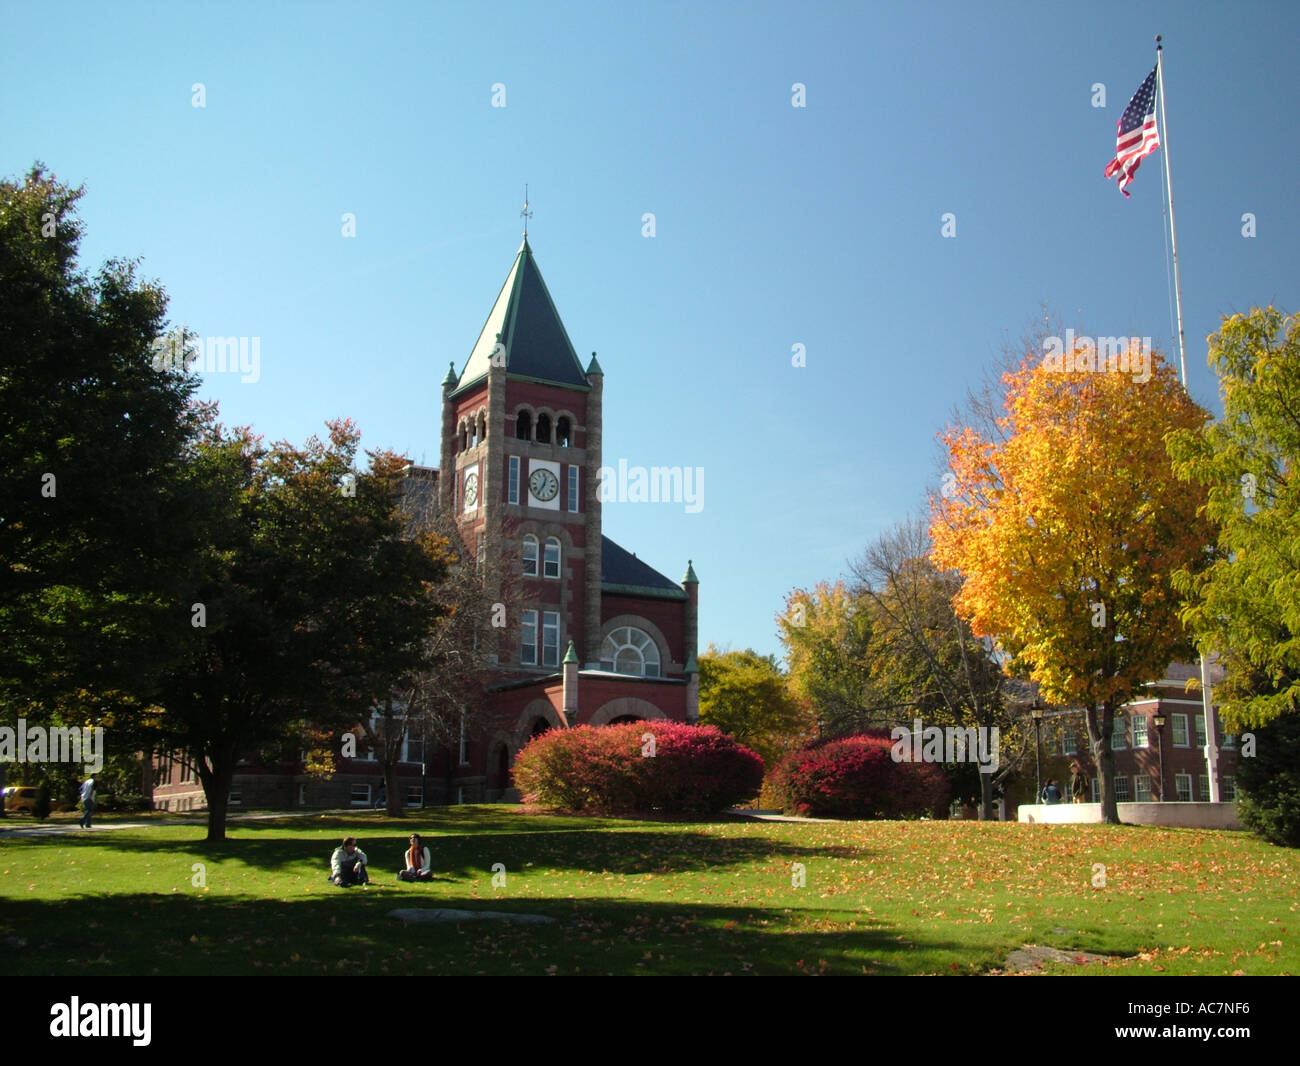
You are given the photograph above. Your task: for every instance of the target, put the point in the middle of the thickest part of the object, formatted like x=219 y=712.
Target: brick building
x=1137 y=744
x=600 y=636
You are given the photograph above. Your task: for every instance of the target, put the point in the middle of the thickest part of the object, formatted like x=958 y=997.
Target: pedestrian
x=1051 y=793
x=87 y=800
x=348 y=864
x=419 y=866
x=1078 y=784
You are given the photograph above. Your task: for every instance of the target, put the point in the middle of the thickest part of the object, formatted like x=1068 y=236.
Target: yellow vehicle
x=21 y=798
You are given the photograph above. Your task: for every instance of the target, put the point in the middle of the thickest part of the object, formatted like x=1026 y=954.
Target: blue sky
x=774 y=225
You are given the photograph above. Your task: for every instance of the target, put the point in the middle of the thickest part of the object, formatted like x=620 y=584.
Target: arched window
x=524 y=426
x=530 y=555
x=628 y=650
x=562 y=432
x=482 y=427
x=551 y=558
x=464 y=437
x=543 y=429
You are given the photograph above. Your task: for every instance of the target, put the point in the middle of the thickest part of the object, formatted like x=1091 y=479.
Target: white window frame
x=1096 y=791
x=549 y=563
x=1118 y=734
x=1228 y=788
x=1203 y=788
x=527 y=627
x=1069 y=742
x=513 y=491
x=532 y=557
x=1141 y=738
x=353 y=801
x=1139 y=795
x=623 y=639
x=1175 y=720
x=1198 y=727
x=1183 y=784
x=235 y=798
x=1122 y=793
x=573 y=487
x=414 y=796
x=550 y=651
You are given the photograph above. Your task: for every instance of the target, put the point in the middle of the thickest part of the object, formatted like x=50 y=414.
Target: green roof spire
x=450 y=379
x=524 y=331
x=690 y=578
x=593 y=368
x=571 y=655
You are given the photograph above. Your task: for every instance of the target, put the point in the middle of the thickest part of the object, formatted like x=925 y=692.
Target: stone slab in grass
x=1033 y=957
x=449 y=914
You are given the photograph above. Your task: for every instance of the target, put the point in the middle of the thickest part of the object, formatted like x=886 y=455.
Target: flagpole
x=1169 y=190
x=1207 y=703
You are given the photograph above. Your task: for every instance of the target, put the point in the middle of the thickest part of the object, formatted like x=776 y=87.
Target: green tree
x=90 y=453
x=827 y=636
x=744 y=694
x=309 y=602
x=1246 y=604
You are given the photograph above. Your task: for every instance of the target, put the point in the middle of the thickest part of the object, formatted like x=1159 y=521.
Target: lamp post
x=1036 y=712
x=1158 y=720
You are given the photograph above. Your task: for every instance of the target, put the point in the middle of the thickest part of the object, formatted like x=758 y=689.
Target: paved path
x=11 y=826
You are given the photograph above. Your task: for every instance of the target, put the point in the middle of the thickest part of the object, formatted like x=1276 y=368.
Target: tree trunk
x=1101 y=721
x=216 y=787
x=986 y=798
x=393 y=805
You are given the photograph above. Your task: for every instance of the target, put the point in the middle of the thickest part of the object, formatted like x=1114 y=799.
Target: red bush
x=856 y=777
x=619 y=769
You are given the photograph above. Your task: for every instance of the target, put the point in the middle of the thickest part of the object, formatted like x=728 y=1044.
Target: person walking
x=1078 y=784
x=87 y=801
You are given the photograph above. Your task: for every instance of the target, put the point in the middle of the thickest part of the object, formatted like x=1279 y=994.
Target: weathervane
x=525 y=214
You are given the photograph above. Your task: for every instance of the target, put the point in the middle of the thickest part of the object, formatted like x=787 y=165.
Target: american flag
x=1137 y=135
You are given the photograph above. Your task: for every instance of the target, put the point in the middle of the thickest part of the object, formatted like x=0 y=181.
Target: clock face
x=544 y=485
x=471 y=490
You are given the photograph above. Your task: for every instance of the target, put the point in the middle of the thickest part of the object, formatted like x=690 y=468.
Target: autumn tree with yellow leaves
x=1066 y=522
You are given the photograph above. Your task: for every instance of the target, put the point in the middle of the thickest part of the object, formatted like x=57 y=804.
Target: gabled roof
x=537 y=347
x=621 y=571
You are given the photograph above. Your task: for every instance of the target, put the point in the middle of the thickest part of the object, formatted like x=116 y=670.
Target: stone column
x=591 y=503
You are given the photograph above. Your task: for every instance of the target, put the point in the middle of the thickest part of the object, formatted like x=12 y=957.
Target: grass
x=646 y=897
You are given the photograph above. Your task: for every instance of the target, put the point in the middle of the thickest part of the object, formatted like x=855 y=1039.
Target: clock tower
x=521 y=439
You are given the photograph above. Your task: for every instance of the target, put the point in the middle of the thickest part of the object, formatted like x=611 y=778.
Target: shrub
x=1268 y=799
x=856 y=777
x=610 y=769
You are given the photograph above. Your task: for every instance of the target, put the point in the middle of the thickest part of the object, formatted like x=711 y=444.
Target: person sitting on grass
x=348 y=864
x=419 y=866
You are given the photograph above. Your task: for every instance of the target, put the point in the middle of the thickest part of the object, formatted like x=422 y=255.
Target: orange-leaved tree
x=1066 y=522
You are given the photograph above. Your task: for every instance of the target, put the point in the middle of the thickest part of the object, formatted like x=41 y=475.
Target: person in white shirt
x=419 y=865
x=348 y=864
x=87 y=801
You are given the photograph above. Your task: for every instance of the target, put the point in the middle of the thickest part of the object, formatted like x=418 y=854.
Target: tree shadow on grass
x=350 y=933
x=470 y=853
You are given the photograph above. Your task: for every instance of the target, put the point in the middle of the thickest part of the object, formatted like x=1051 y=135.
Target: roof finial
x=525 y=214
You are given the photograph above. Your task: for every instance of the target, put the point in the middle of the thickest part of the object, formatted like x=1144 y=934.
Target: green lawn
x=646 y=897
